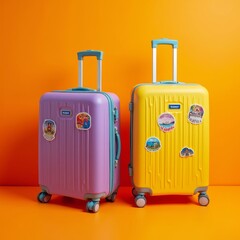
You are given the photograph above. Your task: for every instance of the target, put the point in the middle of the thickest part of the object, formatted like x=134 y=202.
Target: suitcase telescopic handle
x=164 y=41
x=89 y=53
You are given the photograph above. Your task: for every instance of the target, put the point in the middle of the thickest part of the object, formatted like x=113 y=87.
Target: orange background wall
x=39 y=41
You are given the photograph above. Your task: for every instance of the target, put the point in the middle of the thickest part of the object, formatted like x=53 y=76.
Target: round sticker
x=49 y=129
x=195 y=114
x=166 y=122
x=186 y=152
x=153 y=144
x=83 y=121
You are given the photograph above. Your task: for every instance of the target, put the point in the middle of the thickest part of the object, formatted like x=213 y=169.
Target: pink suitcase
x=79 y=142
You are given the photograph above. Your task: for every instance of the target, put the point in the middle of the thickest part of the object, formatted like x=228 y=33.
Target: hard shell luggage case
x=169 y=137
x=79 y=142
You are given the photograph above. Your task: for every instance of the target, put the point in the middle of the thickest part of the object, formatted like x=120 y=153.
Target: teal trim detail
x=118 y=144
x=168 y=82
x=174 y=83
x=111 y=141
x=164 y=41
x=96 y=53
x=77 y=90
x=80 y=89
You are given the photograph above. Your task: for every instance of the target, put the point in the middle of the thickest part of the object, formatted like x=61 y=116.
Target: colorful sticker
x=83 y=121
x=195 y=114
x=153 y=144
x=186 y=152
x=49 y=129
x=166 y=122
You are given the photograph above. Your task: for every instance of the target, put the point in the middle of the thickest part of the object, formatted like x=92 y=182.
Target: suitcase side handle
x=89 y=53
x=118 y=143
x=164 y=41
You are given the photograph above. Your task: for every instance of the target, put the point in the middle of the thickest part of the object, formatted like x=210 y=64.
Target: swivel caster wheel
x=92 y=206
x=140 y=201
x=112 y=197
x=203 y=199
x=44 y=197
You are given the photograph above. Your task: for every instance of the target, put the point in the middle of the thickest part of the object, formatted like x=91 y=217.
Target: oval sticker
x=49 y=129
x=195 y=114
x=166 y=122
x=153 y=144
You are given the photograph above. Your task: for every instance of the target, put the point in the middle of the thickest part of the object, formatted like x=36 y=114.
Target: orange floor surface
x=164 y=217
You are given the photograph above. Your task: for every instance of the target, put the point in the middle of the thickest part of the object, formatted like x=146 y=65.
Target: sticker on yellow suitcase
x=195 y=114
x=186 y=152
x=153 y=144
x=166 y=122
x=49 y=129
x=83 y=121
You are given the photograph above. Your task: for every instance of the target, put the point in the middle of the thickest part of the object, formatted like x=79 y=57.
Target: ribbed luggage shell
x=77 y=162
x=165 y=171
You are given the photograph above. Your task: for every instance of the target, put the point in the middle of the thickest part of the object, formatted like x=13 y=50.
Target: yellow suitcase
x=169 y=137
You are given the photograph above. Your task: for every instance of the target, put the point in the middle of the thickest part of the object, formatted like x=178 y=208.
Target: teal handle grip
x=96 y=53
x=164 y=41
x=81 y=89
x=118 y=141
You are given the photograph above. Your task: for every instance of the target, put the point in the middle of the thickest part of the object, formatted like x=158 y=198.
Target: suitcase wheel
x=44 y=197
x=112 y=197
x=203 y=199
x=134 y=192
x=92 y=206
x=140 y=201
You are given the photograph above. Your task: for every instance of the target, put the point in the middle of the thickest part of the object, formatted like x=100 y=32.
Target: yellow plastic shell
x=165 y=171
